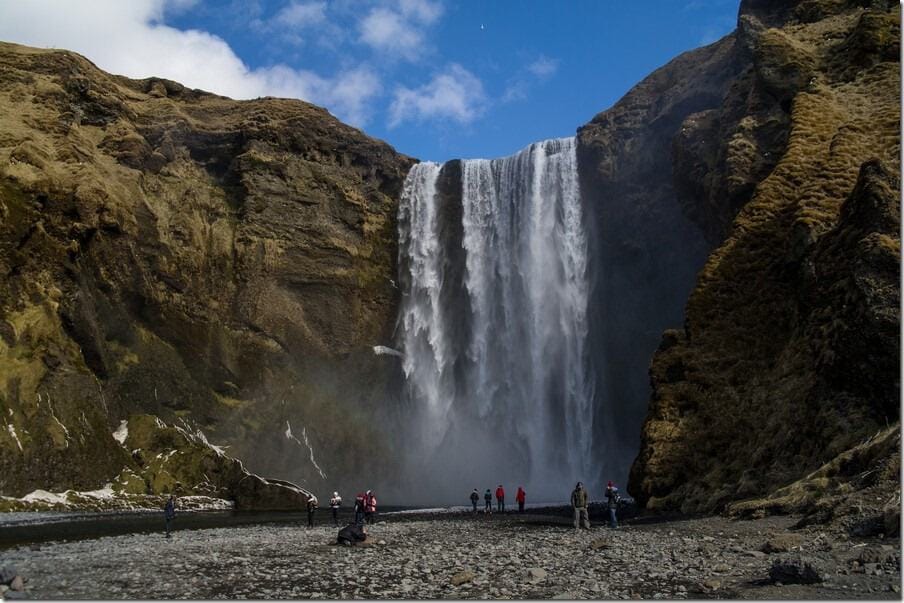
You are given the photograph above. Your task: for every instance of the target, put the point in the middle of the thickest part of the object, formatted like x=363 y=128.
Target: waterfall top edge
x=520 y=151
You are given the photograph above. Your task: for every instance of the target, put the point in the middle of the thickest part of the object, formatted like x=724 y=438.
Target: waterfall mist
x=493 y=326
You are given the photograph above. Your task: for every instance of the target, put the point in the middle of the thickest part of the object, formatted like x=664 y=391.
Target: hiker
x=579 y=504
x=488 y=502
x=359 y=508
x=370 y=507
x=500 y=499
x=612 y=499
x=312 y=506
x=335 y=503
x=519 y=498
x=474 y=498
x=351 y=534
x=169 y=512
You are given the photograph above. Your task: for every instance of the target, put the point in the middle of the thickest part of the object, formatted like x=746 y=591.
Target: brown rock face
x=168 y=251
x=789 y=354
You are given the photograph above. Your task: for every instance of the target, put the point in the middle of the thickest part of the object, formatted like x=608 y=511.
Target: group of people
x=365 y=508
x=580 y=500
x=520 y=497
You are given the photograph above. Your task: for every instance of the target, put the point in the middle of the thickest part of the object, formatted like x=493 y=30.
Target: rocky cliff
x=163 y=250
x=789 y=354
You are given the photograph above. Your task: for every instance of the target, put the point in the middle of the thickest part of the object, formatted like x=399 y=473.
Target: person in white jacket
x=335 y=503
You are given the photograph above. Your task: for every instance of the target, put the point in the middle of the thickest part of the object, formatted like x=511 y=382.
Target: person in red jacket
x=519 y=498
x=500 y=499
x=370 y=507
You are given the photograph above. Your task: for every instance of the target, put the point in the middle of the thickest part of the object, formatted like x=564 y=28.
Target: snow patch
x=14 y=435
x=122 y=432
x=381 y=350
x=304 y=435
x=45 y=496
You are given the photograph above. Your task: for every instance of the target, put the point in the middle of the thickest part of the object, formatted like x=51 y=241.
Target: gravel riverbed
x=461 y=557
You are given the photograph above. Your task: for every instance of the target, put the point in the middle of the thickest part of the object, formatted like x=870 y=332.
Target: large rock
x=795 y=570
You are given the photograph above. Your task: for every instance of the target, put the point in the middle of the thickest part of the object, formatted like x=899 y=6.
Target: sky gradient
x=436 y=79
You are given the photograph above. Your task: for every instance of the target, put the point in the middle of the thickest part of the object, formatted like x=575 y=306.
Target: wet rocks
x=795 y=570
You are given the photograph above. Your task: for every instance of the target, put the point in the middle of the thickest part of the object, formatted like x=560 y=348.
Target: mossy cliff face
x=169 y=251
x=789 y=355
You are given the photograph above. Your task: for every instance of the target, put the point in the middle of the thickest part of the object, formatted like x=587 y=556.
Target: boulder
x=462 y=577
x=535 y=575
x=782 y=543
x=795 y=570
x=17 y=584
x=7 y=573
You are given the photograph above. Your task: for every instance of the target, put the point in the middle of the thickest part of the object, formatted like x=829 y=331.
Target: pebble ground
x=460 y=557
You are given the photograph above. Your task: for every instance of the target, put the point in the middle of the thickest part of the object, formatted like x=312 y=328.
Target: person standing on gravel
x=612 y=504
x=500 y=499
x=519 y=498
x=312 y=506
x=579 y=504
x=488 y=502
x=370 y=507
x=359 y=508
x=335 y=503
x=169 y=513
x=474 y=498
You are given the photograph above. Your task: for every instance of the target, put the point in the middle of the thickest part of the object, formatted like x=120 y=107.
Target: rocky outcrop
x=168 y=251
x=171 y=459
x=789 y=353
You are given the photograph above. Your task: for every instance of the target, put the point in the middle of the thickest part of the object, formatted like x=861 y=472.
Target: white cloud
x=518 y=86
x=301 y=14
x=128 y=38
x=454 y=94
x=424 y=11
x=400 y=31
x=543 y=67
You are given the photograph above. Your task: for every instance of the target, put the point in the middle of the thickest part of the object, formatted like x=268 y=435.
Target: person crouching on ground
x=474 y=498
x=519 y=498
x=351 y=534
x=612 y=498
x=579 y=504
x=312 y=506
x=169 y=513
x=335 y=503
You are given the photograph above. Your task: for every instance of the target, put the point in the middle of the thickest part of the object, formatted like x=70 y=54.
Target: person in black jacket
x=351 y=534
x=474 y=498
x=169 y=513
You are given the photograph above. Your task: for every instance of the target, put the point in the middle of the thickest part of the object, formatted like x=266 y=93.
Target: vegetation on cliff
x=168 y=251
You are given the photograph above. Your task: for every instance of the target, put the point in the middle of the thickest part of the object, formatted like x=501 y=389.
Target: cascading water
x=495 y=350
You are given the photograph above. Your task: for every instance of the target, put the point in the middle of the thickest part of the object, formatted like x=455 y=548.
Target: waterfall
x=493 y=320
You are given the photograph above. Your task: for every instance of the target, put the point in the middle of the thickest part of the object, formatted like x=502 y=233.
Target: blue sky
x=437 y=79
